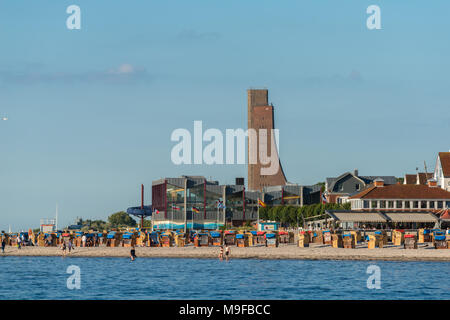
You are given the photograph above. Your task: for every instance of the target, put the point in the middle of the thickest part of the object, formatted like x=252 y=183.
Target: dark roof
x=366 y=179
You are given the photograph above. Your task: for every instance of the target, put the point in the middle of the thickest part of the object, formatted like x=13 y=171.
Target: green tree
x=121 y=219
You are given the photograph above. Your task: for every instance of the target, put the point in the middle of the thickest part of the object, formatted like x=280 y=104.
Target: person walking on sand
x=83 y=240
x=69 y=245
x=227 y=253
x=132 y=253
x=3 y=245
x=63 y=248
x=18 y=242
x=221 y=253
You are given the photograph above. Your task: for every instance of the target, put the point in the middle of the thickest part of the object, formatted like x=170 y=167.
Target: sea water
x=159 y=278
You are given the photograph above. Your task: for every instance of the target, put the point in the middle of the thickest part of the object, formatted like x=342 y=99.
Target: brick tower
x=260 y=116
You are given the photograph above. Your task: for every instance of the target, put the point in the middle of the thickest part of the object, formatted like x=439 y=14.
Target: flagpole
x=257 y=218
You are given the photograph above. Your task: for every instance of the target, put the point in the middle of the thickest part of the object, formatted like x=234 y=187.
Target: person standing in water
x=227 y=253
x=132 y=253
x=221 y=253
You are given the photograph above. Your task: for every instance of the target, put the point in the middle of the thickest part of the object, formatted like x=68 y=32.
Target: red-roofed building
x=410 y=197
x=442 y=170
x=418 y=178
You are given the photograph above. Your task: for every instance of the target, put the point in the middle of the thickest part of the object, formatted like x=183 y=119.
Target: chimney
x=378 y=182
x=355 y=172
x=432 y=183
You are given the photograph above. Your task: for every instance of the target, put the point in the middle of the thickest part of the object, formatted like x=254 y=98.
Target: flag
x=262 y=203
x=324 y=199
x=175 y=207
x=195 y=210
x=220 y=205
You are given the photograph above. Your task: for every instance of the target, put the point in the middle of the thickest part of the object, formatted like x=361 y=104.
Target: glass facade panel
x=175 y=202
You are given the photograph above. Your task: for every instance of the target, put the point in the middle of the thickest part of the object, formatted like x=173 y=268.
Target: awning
x=361 y=216
x=349 y=216
x=411 y=217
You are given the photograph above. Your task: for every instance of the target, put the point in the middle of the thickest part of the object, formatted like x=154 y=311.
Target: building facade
x=398 y=197
x=442 y=170
x=261 y=116
x=338 y=189
x=193 y=202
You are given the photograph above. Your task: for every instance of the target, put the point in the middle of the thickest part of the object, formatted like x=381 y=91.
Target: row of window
x=400 y=204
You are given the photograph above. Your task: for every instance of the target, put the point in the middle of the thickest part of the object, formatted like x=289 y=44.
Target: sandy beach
x=425 y=252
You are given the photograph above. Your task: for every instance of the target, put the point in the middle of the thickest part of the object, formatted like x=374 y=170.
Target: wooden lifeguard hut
x=336 y=240
x=141 y=238
x=166 y=239
x=327 y=237
x=180 y=239
x=398 y=237
x=303 y=239
x=242 y=240
x=153 y=239
x=128 y=239
x=201 y=239
x=272 y=239
x=216 y=238
x=424 y=236
x=229 y=238
x=349 y=241
x=113 y=239
x=284 y=236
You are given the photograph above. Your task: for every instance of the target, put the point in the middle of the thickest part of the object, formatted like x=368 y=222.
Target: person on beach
x=3 y=245
x=69 y=245
x=83 y=240
x=227 y=253
x=221 y=253
x=18 y=242
x=63 y=248
x=132 y=253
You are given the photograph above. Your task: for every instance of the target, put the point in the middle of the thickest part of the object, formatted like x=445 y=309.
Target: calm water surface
x=157 y=278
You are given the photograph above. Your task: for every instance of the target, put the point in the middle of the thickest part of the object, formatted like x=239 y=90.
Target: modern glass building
x=193 y=202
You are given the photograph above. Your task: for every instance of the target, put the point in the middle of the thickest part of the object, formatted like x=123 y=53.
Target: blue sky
x=91 y=111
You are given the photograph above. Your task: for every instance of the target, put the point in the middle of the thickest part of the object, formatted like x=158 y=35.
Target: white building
x=442 y=170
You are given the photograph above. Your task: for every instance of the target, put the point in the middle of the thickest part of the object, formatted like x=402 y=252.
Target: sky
x=91 y=111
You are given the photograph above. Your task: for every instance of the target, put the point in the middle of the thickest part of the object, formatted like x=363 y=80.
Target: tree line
x=292 y=215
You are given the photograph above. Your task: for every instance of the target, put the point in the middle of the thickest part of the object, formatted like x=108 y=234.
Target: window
x=407 y=204
x=357 y=187
x=431 y=204
x=399 y=204
x=415 y=204
x=366 y=204
x=374 y=204
x=423 y=204
x=383 y=204
x=439 y=204
x=390 y=204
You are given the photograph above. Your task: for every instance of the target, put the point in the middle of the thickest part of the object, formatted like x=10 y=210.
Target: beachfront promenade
x=425 y=252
